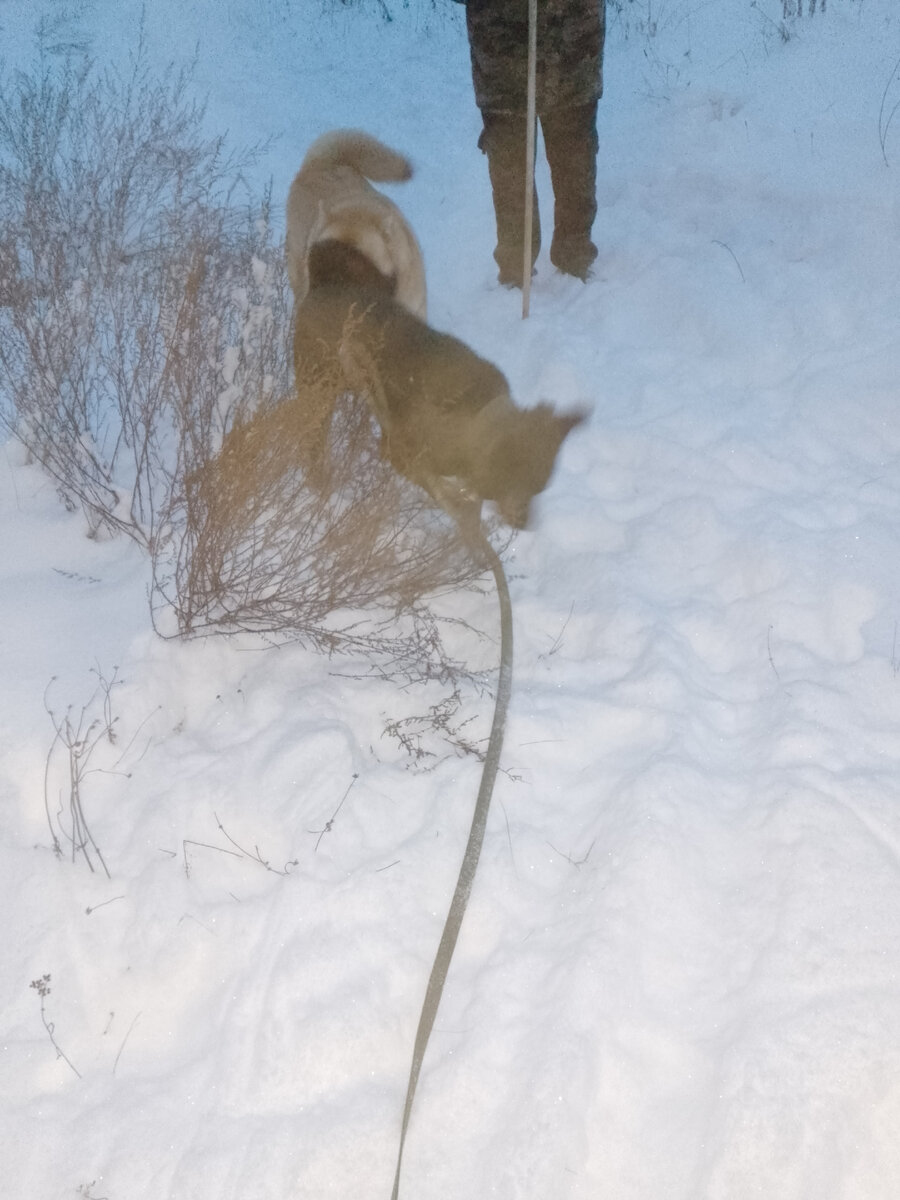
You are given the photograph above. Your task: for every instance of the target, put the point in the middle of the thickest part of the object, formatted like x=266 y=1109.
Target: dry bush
x=343 y=564
x=120 y=241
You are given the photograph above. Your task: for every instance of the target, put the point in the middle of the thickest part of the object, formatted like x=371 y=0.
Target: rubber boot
x=570 y=142
x=503 y=141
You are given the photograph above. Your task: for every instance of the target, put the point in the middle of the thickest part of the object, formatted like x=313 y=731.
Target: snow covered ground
x=679 y=978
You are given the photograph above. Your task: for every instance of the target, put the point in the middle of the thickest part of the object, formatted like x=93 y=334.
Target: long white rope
x=473 y=847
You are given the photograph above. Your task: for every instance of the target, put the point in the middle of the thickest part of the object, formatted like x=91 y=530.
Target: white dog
x=331 y=199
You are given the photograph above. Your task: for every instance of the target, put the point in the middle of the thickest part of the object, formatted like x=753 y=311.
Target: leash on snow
x=473 y=847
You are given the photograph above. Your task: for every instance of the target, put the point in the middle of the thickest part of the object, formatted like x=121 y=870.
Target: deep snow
x=679 y=978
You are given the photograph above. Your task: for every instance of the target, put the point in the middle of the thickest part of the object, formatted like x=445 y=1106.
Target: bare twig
x=769 y=652
x=576 y=862
x=185 y=842
x=124 y=1040
x=557 y=641
x=884 y=121
x=42 y=987
x=440 y=720
x=256 y=856
x=725 y=246
x=329 y=824
x=93 y=908
x=509 y=837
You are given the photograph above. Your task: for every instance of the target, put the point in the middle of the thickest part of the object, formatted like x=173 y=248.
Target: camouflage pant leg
x=570 y=142
x=503 y=141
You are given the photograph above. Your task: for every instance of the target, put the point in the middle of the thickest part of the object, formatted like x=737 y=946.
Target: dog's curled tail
x=353 y=148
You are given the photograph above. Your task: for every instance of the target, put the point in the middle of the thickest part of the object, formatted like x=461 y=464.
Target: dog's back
x=419 y=369
x=344 y=285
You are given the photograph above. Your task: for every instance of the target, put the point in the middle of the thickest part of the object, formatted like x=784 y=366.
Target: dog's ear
x=563 y=423
x=569 y=421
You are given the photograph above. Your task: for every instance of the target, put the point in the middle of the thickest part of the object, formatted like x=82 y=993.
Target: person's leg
x=570 y=142
x=503 y=141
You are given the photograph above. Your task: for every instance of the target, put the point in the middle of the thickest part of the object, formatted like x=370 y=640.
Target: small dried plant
x=79 y=734
x=43 y=989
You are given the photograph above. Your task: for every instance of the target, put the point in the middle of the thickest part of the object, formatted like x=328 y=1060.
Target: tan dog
x=331 y=198
x=447 y=419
